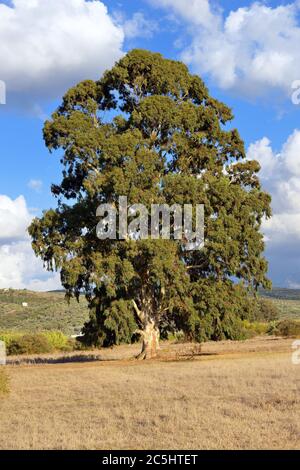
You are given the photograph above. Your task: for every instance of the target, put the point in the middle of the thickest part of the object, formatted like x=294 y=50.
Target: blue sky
x=246 y=52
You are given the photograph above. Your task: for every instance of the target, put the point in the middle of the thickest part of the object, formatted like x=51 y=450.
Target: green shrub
x=177 y=336
x=48 y=341
x=266 y=310
x=9 y=336
x=286 y=328
x=30 y=344
x=57 y=339
x=255 y=328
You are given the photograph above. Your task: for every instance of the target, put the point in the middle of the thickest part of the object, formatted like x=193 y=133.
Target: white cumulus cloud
x=280 y=173
x=262 y=151
x=46 y=46
x=253 y=50
x=138 y=26
x=14 y=218
x=19 y=268
x=197 y=12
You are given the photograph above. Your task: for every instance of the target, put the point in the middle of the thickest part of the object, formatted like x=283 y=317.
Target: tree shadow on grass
x=55 y=360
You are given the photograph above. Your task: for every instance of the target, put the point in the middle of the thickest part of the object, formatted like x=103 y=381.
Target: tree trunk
x=150 y=341
x=149 y=331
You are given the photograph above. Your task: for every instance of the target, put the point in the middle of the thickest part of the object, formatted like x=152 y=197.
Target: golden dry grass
x=234 y=396
x=3 y=381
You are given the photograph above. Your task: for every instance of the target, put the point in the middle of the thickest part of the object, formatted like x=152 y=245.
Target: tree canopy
x=149 y=130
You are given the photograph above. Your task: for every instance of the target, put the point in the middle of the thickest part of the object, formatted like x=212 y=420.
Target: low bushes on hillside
x=242 y=330
x=30 y=344
x=9 y=336
x=45 y=311
x=287 y=328
x=254 y=328
x=57 y=339
x=265 y=311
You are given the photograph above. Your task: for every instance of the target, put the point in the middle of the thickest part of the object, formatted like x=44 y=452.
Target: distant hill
x=286 y=300
x=44 y=311
x=281 y=293
x=50 y=310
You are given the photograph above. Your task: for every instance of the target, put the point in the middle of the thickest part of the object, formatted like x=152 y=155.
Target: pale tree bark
x=149 y=333
x=150 y=345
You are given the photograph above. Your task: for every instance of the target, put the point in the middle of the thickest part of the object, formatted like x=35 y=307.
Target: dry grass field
x=231 y=396
x=4 y=386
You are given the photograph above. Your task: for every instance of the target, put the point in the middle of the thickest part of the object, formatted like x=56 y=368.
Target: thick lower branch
x=140 y=314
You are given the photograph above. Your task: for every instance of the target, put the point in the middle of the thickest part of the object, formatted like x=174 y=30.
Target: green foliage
x=57 y=339
x=287 y=301
x=29 y=344
x=9 y=336
x=219 y=308
x=289 y=309
x=45 y=311
x=109 y=324
x=287 y=328
x=36 y=343
x=177 y=336
x=255 y=328
x=266 y=311
x=166 y=142
x=239 y=331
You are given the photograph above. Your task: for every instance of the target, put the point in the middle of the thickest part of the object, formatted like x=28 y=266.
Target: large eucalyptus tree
x=149 y=130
